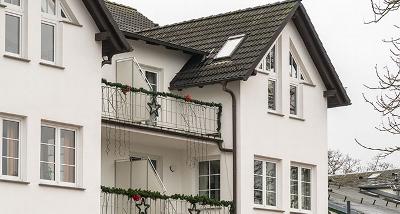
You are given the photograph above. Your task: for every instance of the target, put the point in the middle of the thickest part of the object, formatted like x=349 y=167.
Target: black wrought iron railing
x=161 y=110
x=120 y=201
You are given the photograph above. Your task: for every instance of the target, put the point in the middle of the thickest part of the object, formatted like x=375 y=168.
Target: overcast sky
x=354 y=48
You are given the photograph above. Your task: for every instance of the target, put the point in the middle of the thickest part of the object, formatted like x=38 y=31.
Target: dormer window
x=230 y=46
x=294 y=69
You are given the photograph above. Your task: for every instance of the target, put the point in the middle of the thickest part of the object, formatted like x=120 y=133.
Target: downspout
x=234 y=143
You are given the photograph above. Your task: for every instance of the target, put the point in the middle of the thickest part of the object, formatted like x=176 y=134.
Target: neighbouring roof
x=128 y=18
x=368 y=192
x=261 y=25
x=113 y=41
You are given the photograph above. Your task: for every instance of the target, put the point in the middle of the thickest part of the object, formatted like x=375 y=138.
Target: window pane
x=47 y=42
x=204 y=193
x=13 y=34
x=152 y=78
x=258 y=167
x=268 y=62
x=293 y=100
x=214 y=194
x=294 y=172
x=10 y=148
x=67 y=138
x=48 y=135
x=47 y=153
x=271 y=169
x=271 y=95
x=11 y=129
x=203 y=183
x=214 y=167
x=271 y=184
x=271 y=198
x=214 y=182
x=294 y=187
x=306 y=175
x=306 y=189
x=14 y=2
x=306 y=203
x=294 y=201
x=47 y=171
x=49 y=6
x=68 y=174
x=229 y=47
x=258 y=184
x=203 y=168
x=9 y=166
x=67 y=156
x=273 y=59
x=258 y=198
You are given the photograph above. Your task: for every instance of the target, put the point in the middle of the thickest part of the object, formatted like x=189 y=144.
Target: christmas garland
x=137 y=194
x=127 y=88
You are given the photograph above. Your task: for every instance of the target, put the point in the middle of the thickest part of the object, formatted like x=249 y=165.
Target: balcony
x=159 y=111
x=121 y=201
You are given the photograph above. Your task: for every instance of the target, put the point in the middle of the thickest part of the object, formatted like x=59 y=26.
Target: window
x=300 y=188
x=10 y=148
x=272 y=95
x=270 y=60
x=49 y=6
x=58 y=151
x=152 y=77
x=209 y=179
x=48 y=42
x=293 y=99
x=13 y=34
x=230 y=46
x=265 y=183
x=294 y=69
x=14 y=2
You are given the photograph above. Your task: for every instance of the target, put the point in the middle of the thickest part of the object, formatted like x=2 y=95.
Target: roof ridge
x=121 y=5
x=221 y=14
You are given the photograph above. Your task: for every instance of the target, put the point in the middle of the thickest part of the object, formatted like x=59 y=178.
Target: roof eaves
x=106 y=24
x=169 y=45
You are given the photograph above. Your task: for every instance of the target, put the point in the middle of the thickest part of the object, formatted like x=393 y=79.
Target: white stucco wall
x=281 y=138
x=71 y=96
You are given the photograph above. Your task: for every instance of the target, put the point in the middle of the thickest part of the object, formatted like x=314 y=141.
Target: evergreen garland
x=203 y=200
x=127 y=88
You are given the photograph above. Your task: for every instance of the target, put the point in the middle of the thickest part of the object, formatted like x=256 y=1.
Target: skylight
x=230 y=46
x=375 y=175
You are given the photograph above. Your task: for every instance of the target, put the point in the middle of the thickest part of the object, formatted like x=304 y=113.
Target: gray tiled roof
x=127 y=18
x=260 y=25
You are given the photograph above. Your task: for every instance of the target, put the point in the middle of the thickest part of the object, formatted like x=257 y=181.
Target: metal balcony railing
x=160 y=110
x=119 y=201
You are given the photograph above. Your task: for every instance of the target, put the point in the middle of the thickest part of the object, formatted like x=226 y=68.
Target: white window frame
x=57 y=153
x=20 y=148
x=222 y=55
x=157 y=79
x=209 y=177
x=17 y=11
x=264 y=183
x=54 y=24
x=299 y=188
x=298 y=83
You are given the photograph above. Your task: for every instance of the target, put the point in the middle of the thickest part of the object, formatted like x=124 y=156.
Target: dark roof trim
x=115 y=42
x=320 y=58
x=168 y=45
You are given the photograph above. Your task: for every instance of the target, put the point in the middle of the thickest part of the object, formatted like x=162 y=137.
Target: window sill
x=273 y=209
x=71 y=23
x=276 y=113
x=16 y=58
x=13 y=181
x=51 y=65
x=61 y=186
x=296 y=118
x=308 y=84
x=300 y=212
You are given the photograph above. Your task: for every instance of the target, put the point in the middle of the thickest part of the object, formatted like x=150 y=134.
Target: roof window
x=230 y=46
x=375 y=175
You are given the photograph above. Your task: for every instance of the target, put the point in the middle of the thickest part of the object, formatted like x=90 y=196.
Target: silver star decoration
x=154 y=107
x=143 y=207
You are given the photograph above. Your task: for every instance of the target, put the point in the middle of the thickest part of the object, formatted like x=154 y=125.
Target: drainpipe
x=234 y=143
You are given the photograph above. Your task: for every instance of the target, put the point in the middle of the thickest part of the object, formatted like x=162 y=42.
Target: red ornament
x=126 y=89
x=137 y=197
x=188 y=98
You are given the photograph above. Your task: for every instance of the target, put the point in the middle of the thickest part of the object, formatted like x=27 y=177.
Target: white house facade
x=103 y=111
